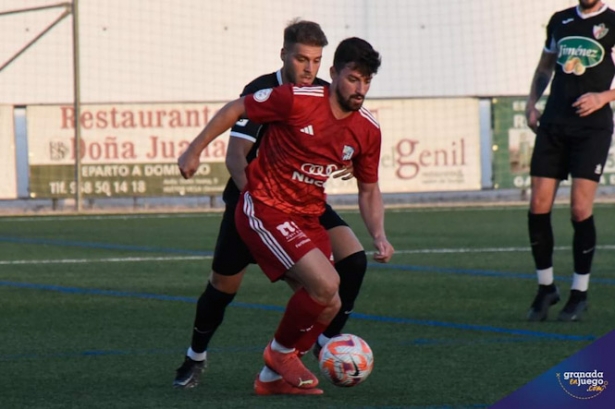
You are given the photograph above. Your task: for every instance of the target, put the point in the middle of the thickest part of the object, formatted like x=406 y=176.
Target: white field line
x=197 y=258
x=12 y=219
x=485 y=250
x=103 y=260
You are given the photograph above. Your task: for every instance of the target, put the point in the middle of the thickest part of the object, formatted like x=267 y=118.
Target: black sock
x=583 y=245
x=541 y=239
x=209 y=315
x=351 y=270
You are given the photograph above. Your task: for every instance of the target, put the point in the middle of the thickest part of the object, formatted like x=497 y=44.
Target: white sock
x=322 y=340
x=545 y=277
x=580 y=282
x=268 y=375
x=281 y=348
x=196 y=356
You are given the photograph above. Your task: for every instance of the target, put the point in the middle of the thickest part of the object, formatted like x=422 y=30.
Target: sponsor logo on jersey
x=308 y=130
x=568 y=20
x=600 y=31
x=318 y=170
x=347 y=152
x=577 y=54
x=311 y=174
x=262 y=95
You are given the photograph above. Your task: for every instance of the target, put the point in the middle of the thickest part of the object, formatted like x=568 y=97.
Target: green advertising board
x=513 y=144
x=126 y=180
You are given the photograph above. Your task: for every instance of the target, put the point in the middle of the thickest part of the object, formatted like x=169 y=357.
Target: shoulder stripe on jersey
x=310 y=94
x=314 y=88
x=369 y=116
x=312 y=91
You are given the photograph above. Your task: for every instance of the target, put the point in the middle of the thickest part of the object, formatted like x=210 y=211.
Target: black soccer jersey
x=583 y=44
x=251 y=131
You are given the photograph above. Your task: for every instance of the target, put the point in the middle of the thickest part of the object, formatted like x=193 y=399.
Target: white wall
x=204 y=50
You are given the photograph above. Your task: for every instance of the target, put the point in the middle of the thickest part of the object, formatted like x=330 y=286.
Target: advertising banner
x=125 y=150
x=428 y=145
x=132 y=150
x=513 y=144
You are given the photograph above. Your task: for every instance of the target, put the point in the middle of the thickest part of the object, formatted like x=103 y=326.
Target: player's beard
x=351 y=103
x=587 y=4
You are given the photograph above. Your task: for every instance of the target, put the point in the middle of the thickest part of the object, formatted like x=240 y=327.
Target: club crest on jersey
x=600 y=31
x=347 y=152
x=262 y=95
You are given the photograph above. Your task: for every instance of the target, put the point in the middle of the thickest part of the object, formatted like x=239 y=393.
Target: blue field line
x=399 y=267
x=244 y=349
x=355 y=315
x=472 y=406
x=476 y=272
x=473 y=327
x=104 y=246
x=103 y=353
x=480 y=341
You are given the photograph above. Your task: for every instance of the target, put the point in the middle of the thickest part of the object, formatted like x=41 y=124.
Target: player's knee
x=326 y=290
x=578 y=212
x=226 y=284
x=354 y=264
x=351 y=271
x=335 y=304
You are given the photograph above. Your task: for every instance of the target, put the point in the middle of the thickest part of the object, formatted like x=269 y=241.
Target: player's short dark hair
x=359 y=53
x=304 y=32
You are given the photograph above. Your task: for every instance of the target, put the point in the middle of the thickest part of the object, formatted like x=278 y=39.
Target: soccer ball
x=346 y=360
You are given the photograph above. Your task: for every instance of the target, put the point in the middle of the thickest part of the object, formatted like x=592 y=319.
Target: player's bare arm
x=542 y=77
x=590 y=102
x=224 y=119
x=372 y=212
x=236 y=160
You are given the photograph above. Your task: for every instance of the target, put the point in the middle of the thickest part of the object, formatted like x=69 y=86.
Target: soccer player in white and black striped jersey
x=573 y=137
x=301 y=56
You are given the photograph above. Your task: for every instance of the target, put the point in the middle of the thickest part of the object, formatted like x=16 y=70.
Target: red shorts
x=278 y=240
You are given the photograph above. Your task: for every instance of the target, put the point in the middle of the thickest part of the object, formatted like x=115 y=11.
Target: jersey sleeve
x=244 y=128
x=270 y=105
x=367 y=162
x=550 y=45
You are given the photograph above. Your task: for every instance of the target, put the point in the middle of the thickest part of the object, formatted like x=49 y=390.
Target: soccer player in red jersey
x=301 y=56
x=313 y=131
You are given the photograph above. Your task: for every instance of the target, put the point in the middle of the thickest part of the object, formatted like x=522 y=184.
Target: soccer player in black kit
x=301 y=55
x=573 y=137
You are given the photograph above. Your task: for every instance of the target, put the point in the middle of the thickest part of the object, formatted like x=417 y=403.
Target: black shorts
x=562 y=150
x=232 y=255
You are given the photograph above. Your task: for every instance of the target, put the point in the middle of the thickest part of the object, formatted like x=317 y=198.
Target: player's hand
x=188 y=163
x=533 y=117
x=589 y=103
x=344 y=173
x=384 y=250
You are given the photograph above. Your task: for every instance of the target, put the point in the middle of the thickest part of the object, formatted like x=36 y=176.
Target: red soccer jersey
x=304 y=144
